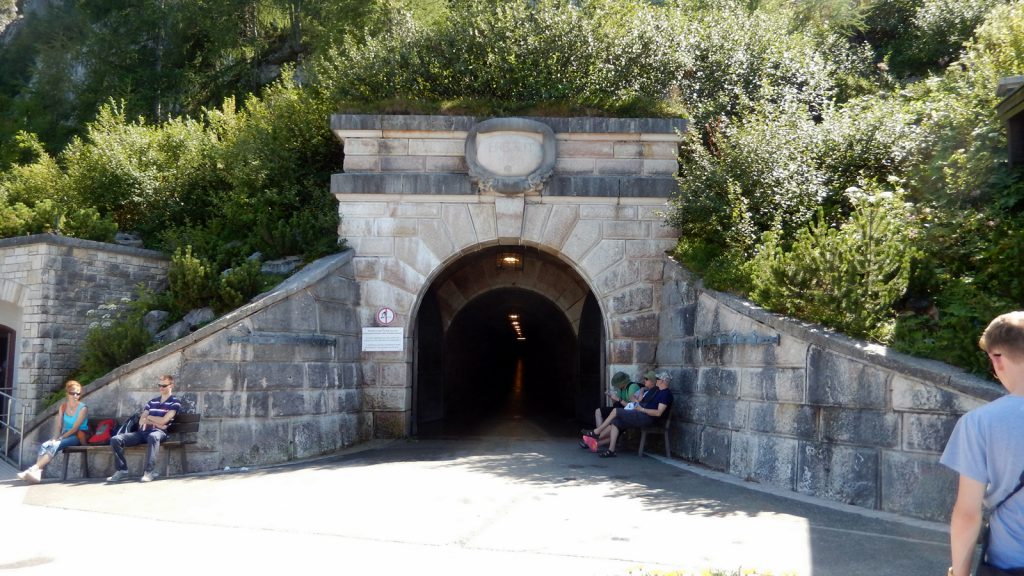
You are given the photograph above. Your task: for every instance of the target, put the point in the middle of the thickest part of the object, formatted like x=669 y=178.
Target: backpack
x=103 y=431
x=130 y=424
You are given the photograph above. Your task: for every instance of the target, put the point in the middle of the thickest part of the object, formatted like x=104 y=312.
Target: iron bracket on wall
x=751 y=339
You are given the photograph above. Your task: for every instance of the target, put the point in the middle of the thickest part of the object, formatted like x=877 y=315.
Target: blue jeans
x=50 y=447
x=152 y=438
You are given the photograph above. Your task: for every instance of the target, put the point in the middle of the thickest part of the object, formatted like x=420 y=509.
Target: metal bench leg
x=64 y=474
x=668 y=453
x=643 y=438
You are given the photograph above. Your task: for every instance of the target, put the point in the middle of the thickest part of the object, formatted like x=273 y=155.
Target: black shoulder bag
x=984 y=568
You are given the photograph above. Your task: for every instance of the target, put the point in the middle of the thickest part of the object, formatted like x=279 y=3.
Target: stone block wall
x=50 y=283
x=816 y=413
x=276 y=380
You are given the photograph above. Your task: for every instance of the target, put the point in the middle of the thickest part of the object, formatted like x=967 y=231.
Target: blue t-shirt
x=987 y=445
x=158 y=408
x=655 y=397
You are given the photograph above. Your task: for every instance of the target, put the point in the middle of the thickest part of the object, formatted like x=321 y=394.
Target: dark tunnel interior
x=483 y=374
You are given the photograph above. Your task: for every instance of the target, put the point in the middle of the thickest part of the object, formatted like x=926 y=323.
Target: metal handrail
x=7 y=427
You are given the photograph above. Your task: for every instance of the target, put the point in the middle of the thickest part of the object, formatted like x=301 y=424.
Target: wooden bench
x=176 y=439
x=660 y=427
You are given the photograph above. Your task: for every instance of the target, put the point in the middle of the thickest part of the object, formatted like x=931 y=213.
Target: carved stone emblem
x=510 y=155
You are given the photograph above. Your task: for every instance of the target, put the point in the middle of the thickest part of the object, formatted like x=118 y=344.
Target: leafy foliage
x=116 y=336
x=514 y=54
x=847 y=277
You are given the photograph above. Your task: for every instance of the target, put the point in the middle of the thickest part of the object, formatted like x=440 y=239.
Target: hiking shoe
x=148 y=477
x=118 y=476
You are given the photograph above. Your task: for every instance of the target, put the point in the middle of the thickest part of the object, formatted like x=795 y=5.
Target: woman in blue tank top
x=72 y=422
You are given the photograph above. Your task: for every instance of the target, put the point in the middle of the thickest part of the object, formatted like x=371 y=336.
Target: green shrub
x=950 y=334
x=192 y=282
x=116 y=336
x=239 y=285
x=847 y=277
x=517 y=54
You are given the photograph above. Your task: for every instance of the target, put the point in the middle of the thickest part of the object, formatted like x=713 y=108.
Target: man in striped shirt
x=152 y=430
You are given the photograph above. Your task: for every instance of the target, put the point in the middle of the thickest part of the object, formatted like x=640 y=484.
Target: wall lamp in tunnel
x=510 y=260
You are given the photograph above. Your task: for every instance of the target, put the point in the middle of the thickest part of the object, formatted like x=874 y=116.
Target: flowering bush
x=116 y=336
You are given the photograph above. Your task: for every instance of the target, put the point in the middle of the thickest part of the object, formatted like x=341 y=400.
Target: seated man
x=652 y=407
x=153 y=423
x=622 y=393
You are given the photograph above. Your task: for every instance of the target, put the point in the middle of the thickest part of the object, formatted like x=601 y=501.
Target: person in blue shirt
x=653 y=406
x=72 y=422
x=986 y=449
x=153 y=423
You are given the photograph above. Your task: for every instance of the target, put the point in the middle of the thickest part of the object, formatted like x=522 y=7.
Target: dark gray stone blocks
x=295 y=403
x=861 y=427
x=765 y=459
x=235 y=405
x=633 y=300
x=775 y=384
x=719 y=382
x=795 y=420
x=840 y=381
x=249 y=443
x=917 y=485
x=337 y=289
x=204 y=375
x=842 y=473
x=685 y=382
x=397 y=183
x=715 y=449
x=639 y=326
x=273 y=376
x=927 y=432
x=297 y=313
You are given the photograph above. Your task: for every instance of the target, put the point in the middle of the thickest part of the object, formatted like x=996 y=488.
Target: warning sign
x=383 y=340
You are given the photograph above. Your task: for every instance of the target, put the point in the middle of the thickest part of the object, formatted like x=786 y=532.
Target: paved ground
x=485 y=505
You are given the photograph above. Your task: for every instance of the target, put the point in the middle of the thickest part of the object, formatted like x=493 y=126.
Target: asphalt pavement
x=516 y=501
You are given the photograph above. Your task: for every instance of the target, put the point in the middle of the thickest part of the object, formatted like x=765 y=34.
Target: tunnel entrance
x=508 y=361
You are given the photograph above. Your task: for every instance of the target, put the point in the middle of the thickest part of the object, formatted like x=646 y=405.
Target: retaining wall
x=817 y=413
x=48 y=284
x=276 y=380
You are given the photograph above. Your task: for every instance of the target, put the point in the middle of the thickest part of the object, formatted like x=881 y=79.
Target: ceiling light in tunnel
x=510 y=261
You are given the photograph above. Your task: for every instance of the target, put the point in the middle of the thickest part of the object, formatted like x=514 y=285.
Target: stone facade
x=816 y=413
x=410 y=209
x=47 y=285
x=275 y=380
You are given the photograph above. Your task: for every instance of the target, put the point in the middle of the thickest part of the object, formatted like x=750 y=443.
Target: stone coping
x=460 y=185
x=69 y=242
x=433 y=123
x=939 y=373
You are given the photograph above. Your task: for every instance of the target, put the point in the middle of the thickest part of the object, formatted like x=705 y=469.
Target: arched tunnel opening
x=508 y=363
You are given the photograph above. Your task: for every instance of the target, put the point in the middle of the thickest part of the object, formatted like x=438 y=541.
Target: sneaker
x=26 y=476
x=118 y=476
x=148 y=477
x=33 y=475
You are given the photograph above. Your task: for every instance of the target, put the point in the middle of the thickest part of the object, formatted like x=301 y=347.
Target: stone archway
x=422 y=195
x=472 y=363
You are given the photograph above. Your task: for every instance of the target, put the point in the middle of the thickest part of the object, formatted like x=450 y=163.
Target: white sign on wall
x=383 y=340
